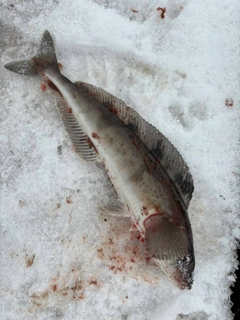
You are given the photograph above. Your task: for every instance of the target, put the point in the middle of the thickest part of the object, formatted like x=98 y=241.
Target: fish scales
x=151 y=178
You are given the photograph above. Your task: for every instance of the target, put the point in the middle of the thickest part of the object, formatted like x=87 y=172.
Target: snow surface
x=59 y=258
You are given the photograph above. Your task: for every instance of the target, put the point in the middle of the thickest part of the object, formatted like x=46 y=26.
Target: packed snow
x=179 y=68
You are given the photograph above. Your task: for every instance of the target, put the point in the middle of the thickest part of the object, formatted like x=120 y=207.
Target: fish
x=152 y=180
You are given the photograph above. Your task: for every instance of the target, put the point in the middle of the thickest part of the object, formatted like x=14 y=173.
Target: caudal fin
x=45 y=57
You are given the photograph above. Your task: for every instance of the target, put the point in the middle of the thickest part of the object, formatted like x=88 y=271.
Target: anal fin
x=115 y=208
x=81 y=142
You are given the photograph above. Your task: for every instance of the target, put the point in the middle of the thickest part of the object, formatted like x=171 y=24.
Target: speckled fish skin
x=146 y=190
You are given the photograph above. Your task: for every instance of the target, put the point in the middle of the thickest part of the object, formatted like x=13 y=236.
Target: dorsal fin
x=80 y=140
x=163 y=150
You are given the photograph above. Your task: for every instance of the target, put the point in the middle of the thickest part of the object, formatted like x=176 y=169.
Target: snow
x=59 y=258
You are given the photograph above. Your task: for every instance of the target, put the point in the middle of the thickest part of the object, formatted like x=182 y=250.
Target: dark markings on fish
x=158 y=151
x=133 y=127
x=181 y=180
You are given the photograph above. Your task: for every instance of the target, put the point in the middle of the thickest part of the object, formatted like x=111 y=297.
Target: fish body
x=152 y=180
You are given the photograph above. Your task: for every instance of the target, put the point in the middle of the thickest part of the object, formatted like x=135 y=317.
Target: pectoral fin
x=169 y=245
x=116 y=208
x=164 y=240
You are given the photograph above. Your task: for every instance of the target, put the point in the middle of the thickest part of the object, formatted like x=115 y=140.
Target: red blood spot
x=134 y=227
x=229 y=102
x=43 y=87
x=54 y=287
x=95 y=135
x=68 y=200
x=114 y=110
x=38 y=62
x=52 y=86
x=145 y=210
x=67 y=109
x=148 y=259
x=140 y=237
x=93 y=281
x=163 y=10
x=181 y=7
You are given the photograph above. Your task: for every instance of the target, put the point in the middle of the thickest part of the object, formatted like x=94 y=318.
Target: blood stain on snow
x=122 y=252
x=29 y=258
x=21 y=203
x=163 y=11
x=43 y=87
x=71 y=285
x=68 y=200
x=58 y=205
x=229 y=102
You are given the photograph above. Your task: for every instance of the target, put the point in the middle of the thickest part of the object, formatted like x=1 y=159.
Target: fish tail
x=45 y=57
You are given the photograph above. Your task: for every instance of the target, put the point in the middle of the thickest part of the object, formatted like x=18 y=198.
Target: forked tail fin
x=45 y=57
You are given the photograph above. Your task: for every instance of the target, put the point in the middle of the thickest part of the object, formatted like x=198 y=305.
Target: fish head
x=180 y=272
x=183 y=272
x=171 y=247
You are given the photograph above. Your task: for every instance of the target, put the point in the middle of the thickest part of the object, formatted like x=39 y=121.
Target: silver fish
x=151 y=178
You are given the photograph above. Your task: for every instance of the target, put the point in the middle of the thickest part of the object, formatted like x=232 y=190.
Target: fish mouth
x=179 y=271
x=183 y=274
x=169 y=245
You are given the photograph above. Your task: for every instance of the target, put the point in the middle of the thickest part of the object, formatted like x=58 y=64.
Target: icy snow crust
x=59 y=258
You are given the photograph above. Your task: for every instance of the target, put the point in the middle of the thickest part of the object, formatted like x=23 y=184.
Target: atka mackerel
x=150 y=176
